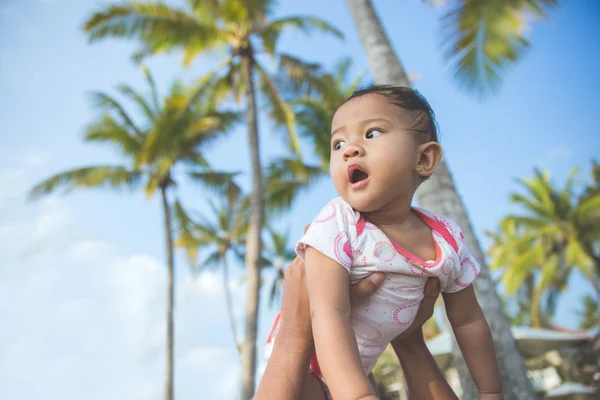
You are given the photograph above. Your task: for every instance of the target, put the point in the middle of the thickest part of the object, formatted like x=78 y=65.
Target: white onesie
x=361 y=248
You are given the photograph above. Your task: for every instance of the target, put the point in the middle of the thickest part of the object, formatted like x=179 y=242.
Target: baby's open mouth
x=356 y=174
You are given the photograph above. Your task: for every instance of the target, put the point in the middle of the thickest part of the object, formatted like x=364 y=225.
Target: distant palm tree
x=218 y=235
x=557 y=235
x=483 y=37
x=278 y=254
x=171 y=133
x=247 y=30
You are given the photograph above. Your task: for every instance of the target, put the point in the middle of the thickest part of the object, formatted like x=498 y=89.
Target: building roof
x=570 y=388
x=532 y=342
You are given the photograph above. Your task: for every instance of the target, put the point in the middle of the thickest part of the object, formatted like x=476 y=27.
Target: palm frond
x=279 y=109
x=153 y=89
x=304 y=78
x=158 y=26
x=483 y=37
x=107 y=130
x=306 y=24
x=285 y=179
x=184 y=233
x=138 y=100
x=97 y=176
x=104 y=102
x=220 y=182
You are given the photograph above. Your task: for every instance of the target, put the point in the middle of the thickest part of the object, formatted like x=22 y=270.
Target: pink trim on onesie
x=435 y=226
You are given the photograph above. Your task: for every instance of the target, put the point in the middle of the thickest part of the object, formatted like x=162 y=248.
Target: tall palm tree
x=218 y=235
x=248 y=32
x=550 y=240
x=172 y=133
x=484 y=37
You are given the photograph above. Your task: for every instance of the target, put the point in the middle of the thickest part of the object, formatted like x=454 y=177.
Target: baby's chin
x=360 y=203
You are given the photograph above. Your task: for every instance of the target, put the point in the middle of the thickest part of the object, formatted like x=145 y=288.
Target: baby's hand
x=490 y=396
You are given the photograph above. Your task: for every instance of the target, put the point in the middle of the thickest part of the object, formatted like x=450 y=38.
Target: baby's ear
x=430 y=154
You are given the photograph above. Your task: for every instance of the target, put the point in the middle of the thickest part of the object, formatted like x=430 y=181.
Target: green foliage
x=244 y=29
x=557 y=233
x=214 y=236
x=168 y=133
x=286 y=177
x=277 y=255
x=590 y=316
x=483 y=37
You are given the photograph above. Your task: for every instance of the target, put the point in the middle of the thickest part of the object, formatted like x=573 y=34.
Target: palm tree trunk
x=228 y=301
x=439 y=195
x=169 y=377
x=253 y=244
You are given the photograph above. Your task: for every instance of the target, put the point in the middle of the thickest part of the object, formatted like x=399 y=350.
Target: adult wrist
x=294 y=342
x=412 y=344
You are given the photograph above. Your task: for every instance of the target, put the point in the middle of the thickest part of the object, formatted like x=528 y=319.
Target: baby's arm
x=475 y=341
x=335 y=343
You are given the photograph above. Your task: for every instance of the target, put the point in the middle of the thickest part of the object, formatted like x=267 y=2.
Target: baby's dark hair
x=410 y=100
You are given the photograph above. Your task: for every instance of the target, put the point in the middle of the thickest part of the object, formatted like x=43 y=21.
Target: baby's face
x=373 y=154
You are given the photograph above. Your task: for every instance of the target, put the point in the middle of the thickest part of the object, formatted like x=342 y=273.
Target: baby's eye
x=338 y=145
x=373 y=133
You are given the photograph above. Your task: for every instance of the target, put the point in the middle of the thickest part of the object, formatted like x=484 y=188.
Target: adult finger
x=365 y=287
x=431 y=292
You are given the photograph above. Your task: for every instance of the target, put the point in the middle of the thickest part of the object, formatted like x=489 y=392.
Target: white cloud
x=220 y=364
x=82 y=319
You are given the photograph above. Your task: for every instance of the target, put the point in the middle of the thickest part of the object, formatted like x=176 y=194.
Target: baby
x=383 y=146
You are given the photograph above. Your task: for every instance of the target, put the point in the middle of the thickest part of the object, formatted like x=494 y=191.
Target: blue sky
x=81 y=295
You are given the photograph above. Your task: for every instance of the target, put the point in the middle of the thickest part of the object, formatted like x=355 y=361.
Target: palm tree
x=484 y=37
x=171 y=133
x=288 y=176
x=278 y=255
x=246 y=30
x=219 y=235
x=557 y=235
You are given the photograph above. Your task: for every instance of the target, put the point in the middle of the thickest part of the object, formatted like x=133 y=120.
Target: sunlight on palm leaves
x=288 y=176
x=246 y=30
x=557 y=234
x=482 y=38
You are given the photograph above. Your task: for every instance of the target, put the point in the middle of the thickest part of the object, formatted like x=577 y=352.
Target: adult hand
x=414 y=331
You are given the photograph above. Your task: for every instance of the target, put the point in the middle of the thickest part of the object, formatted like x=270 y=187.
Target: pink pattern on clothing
x=327 y=214
x=370 y=227
x=360 y=256
x=366 y=330
x=343 y=251
x=405 y=315
x=468 y=272
x=370 y=351
x=350 y=218
x=391 y=310
x=415 y=269
x=448 y=266
x=384 y=251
